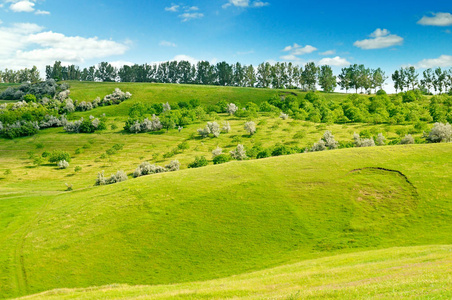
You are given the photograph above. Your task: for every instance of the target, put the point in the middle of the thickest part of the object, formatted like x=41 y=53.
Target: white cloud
x=438 y=19
x=381 y=38
x=42 y=12
x=245 y=3
x=443 y=61
x=25 y=44
x=334 y=61
x=329 y=52
x=190 y=16
x=167 y=44
x=192 y=8
x=296 y=50
x=22 y=6
x=173 y=8
x=290 y=57
x=184 y=57
x=304 y=50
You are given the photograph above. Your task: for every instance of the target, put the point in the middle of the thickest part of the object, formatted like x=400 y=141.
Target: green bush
x=200 y=161
x=221 y=159
x=58 y=155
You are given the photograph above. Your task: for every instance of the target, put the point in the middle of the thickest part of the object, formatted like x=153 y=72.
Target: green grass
x=215 y=221
x=239 y=217
x=409 y=273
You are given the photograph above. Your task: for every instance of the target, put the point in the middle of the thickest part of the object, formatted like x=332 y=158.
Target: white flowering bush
x=363 y=142
x=116 y=97
x=119 y=176
x=166 y=107
x=319 y=146
x=231 y=108
x=216 y=152
x=173 y=166
x=52 y=121
x=284 y=116
x=239 y=153
x=250 y=127
x=84 y=106
x=407 y=139
x=68 y=106
x=210 y=128
x=63 y=164
x=381 y=140
x=226 y=127
x=440 y=133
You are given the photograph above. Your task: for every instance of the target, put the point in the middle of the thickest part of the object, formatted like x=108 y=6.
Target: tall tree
x=326 y=79
x=309 y=75
x=105 y=72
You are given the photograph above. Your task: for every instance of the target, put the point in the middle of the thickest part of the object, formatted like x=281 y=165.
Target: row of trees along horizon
x=279 y=75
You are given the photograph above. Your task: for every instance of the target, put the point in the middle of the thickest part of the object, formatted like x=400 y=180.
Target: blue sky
x=387 y=34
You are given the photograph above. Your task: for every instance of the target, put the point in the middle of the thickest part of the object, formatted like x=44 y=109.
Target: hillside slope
x=410 y=273
x=238 y=217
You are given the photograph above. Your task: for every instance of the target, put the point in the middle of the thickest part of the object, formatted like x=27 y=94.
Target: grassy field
x=396 y=273
x=222 y=220
x=216 y=221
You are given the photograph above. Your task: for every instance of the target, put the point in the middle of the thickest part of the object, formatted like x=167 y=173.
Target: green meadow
x=347 y=223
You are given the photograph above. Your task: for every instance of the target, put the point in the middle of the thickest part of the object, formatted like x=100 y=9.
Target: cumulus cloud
x=190 y=16
x=329 y=52
x=443 y=61
x=380 y=38
x=42 y=12
x=245 y=3
x=26 y=44
x=438 y=19
x=296 y=50
x=173 y=8
x=22 y=6
x=334 y=61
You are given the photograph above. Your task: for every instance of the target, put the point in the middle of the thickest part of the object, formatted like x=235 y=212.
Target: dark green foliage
x=220 y=159
x=200 y=161
x=58 y=155
x=29 y=98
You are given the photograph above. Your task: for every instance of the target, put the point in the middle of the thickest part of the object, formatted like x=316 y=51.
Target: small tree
x=166 y=107
x=216 y=152
x=407 y=139
x=250 y=127
x=239 y=153
x=440 y=133
x=329 y=140
x=284 y=116
x=381 y=140
x=226 y=127
x=200 y=161
x=319 y=146
x=221 y=159
x=173 y=166
x=62 y=164
x=231 y=108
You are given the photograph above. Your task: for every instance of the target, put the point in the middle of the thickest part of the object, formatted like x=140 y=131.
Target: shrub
x=19 y=128
x=221 y=159
x=363 y=142
x=284 y=116
x=319 y=146
x=440 y=133
x=118 y=177
x=77 y=169
x=58 y=155
x=231 y=109
x=200 y=161
x=407 y=139
x=211 y=128
x=166 y=107
x=264 y=154
x=173 y=166
x=381 y=140
x=216 y=152
x=250 y=127
x=29 y=98
x=239 y=153
x=146 y=168
x=62 y=164
x=329 y=140
x=116 y=97
x=226 y=127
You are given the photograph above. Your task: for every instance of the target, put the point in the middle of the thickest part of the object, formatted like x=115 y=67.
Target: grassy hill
x=221 y=220
x=408 y=273
x=215 y=221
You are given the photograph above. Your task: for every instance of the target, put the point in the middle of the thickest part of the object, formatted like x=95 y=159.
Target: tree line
x=279 y=75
